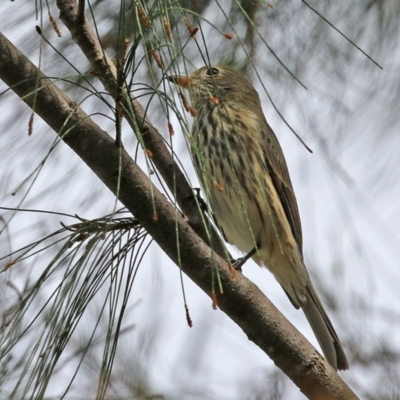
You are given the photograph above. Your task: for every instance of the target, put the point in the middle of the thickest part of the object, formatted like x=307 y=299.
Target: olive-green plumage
x=246 y=181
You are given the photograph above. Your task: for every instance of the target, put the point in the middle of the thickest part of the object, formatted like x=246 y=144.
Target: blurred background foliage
x=92 y=308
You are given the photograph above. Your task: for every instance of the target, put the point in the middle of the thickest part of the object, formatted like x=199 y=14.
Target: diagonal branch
x=84 y=36
x=242 y=301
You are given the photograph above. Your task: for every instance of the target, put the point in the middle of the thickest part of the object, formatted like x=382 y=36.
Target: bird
x=244 y=176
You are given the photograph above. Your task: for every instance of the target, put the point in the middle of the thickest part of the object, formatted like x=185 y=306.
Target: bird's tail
x=323 y=330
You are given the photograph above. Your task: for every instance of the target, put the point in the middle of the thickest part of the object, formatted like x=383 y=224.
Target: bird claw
x=238 y=263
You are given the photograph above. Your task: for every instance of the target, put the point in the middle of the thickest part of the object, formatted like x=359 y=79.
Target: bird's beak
x=181 y=80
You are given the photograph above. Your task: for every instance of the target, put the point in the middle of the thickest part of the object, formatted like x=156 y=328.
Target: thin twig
x=341 y=33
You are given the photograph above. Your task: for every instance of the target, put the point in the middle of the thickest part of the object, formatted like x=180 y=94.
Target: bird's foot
x=239 y=262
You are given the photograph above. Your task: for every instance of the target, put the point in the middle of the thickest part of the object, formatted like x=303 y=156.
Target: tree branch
x=242 y=301
x=84 y=36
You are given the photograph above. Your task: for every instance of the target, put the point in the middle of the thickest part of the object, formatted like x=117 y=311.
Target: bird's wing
x=276 y=165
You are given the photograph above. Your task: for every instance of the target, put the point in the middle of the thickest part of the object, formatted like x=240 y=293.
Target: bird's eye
x=212 y=72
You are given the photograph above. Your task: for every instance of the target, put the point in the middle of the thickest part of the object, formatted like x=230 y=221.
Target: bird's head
x=218 y=84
